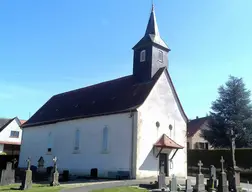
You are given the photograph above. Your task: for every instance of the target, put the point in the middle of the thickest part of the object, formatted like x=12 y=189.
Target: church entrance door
x=163 y=163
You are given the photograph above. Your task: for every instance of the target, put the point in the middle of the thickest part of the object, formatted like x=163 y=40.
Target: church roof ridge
x=120 y=95
x=92 y=85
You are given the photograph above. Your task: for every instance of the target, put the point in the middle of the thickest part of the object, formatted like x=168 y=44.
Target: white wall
x=160 y=106
x=35 y=139
x=5 y=134
x=1 y=148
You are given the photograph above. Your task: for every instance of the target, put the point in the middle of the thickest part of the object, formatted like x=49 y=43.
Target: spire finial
x=152 y=5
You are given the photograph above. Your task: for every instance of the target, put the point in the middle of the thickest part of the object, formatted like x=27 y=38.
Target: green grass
x=121 y=189
x=35 y=188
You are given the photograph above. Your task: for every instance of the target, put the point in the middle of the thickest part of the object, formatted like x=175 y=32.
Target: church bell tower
x=150 y=53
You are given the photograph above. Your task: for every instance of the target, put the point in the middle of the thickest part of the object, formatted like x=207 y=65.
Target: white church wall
x=90 y=154
x=1 y=148
x=5 y=135
x=161 y=107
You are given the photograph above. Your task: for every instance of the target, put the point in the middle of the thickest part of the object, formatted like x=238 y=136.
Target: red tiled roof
x=167 y=142
x=22 y=121
x=194 y=125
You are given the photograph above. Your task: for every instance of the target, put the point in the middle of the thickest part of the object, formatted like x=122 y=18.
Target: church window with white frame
x=77 y=140
x=142 y=56
x=105 y=138
x=160 y=56
x=49 y=143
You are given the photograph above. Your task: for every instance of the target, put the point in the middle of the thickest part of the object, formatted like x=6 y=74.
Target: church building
x=131 y=127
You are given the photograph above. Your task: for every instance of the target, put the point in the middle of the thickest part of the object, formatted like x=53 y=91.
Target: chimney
x=197 y=117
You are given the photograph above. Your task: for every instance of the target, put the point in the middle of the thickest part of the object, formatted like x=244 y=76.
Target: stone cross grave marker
x=188 y=185
x=222 y=184
x=222 y=164
x=55 y=174
x=8 y=175
x=200 y=164
x=200 y=186
x=27 y=180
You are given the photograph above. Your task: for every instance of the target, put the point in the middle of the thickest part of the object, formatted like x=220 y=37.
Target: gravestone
x=173 y=184
x=200 y=186
x=231 y=179
x=188 y=186
x=41 y=168
x=14 y=162
x=8 y=175
x=222 y=184
x=161 y=181
x=55 y=174
x=212 y=182
x=27 y=180
x=237 y=178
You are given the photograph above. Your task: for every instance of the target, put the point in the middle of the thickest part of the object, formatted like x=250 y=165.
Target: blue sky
x=52 y=46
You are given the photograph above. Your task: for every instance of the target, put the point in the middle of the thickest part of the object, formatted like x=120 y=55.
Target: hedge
x=212 y=157
x=246 y=175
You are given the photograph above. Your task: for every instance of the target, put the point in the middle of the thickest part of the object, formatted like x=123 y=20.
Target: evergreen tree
x=230 y=118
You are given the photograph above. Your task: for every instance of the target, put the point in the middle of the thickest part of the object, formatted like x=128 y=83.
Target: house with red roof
x=130 y=127
x=194 y=133
x=10 y=135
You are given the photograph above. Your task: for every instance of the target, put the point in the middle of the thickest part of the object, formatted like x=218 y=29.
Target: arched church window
x=160 y=56
x=77 y=140
x=49 y=143
x=142 y=56
x=105 y=136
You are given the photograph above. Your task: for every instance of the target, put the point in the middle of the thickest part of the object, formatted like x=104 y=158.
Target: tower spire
x=151 y=52
x=152 y=27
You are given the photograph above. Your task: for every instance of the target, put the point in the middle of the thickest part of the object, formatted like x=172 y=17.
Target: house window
x=14 y=134
x=201 y=145
x=142 y=56
x=160 y=56
x=49 y=144
x=105 y=139
x=77 y=140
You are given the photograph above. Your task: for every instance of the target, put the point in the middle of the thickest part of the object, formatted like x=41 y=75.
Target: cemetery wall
x=35 y=143
x=160 y=106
